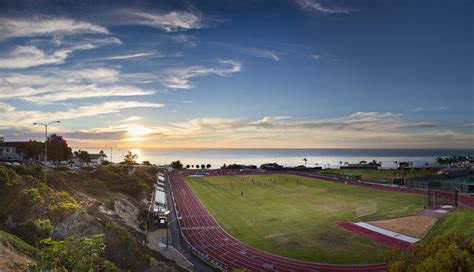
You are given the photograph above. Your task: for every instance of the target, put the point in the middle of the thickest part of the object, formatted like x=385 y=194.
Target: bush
x=74 y=254
x=35 y=230
x=31 y=170
x=61 y=205
x=123 y=250
x=444 y=253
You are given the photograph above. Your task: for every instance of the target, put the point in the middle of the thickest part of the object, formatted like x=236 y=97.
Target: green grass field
x=461 y=221
x=297 y=220
x=377 y=175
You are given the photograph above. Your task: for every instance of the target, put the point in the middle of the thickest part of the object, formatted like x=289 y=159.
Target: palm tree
x=305 y=160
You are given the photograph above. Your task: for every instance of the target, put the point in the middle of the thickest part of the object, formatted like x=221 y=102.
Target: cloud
x=56 y=85
x=315 y=56
x=80 y=92
x=428 y=109
x=4 y=107
x=260 y=53
x=31 y=27
x=180 y=78
x=467 y=124
x=252 y=51
x=314 y=6
x=14 y=117
x=131 y=56
x=185 y=39
x=131 y=119
x=169 y=22
x=30 y=56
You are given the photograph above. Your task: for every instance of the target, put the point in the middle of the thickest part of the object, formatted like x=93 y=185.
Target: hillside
x=59 y=212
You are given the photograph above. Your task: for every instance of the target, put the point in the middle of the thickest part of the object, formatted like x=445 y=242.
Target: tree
x=37 y=229
x=58 y=150
x=188 y=166
x=31 y=149
x=146 y=163
x=305 y=160
x=176 y=164
x=208 y=166
x=444 y=253
x=130 y=159
x=102 y=153
x=83 y=156
x=203 y=166
x=74 y=254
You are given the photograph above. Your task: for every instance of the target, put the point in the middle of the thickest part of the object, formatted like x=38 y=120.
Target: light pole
x=46 y=139
x=168 y=225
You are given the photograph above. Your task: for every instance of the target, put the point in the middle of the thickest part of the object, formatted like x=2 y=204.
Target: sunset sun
x=137 y=131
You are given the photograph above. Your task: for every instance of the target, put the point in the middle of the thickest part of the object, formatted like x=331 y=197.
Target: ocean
x=326 y=158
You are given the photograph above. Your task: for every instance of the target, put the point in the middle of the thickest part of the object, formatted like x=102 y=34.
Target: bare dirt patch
x=11 y=260
x=415 y=226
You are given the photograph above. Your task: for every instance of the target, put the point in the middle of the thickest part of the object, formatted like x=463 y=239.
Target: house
x=97 y=159
x=9 y=151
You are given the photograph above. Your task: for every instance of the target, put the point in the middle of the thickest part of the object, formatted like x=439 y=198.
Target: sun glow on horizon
x=137 y=131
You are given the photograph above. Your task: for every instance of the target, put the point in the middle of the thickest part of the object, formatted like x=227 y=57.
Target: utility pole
x=111 y=153
x=46 y=139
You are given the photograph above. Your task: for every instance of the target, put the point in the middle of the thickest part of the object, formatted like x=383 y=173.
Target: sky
x=239 y=74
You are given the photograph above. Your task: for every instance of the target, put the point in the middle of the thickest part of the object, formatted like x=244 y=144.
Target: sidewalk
x=157 y=241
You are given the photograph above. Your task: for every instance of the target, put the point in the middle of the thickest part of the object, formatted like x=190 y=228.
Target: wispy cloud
x=131 y=119
x=252 y=51
x=170 y=22
x=428 y=109
x=30 y=56
x=260 y=53
x=130 y=56
x=40 y=26
x=315 y=6
x=180 y=78
x=58 y=85
x=13 y=117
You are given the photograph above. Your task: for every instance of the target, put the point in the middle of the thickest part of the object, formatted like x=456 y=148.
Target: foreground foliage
x=444 y=253
x=74 y=254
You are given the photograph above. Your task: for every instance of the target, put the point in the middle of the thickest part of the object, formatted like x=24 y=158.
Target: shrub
x=74 y=254
x=123 y=250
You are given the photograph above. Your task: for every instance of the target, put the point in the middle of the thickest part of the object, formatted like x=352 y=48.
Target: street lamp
x=46 y=139
x=167 y=227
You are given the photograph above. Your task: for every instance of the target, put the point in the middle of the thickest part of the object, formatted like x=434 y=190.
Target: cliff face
x=110 y=201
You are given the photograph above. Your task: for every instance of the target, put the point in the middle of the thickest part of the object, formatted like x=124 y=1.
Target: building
x=9 y=151
x=96 y=159
x=159 y=206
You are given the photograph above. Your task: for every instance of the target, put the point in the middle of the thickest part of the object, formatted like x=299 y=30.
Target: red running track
x=207 y=239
